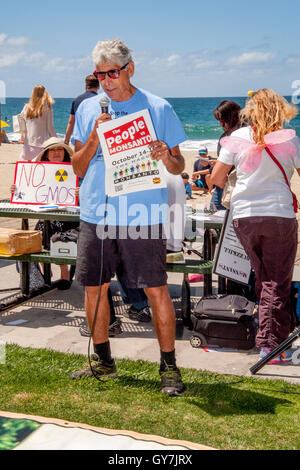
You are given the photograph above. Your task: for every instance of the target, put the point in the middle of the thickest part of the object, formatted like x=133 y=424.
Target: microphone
x=104 y=102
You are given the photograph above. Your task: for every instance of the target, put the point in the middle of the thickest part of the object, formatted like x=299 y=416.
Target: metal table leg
x=207 y=255
x=221 y=285
x=186 y=301
x=25 y=274
x=46 y=237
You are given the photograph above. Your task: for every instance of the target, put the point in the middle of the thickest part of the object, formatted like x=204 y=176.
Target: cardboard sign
x=231 y=260
x=45 y=183
x=125 y=146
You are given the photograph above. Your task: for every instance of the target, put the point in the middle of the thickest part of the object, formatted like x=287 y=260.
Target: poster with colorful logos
x=45 y=183
x=125 y=146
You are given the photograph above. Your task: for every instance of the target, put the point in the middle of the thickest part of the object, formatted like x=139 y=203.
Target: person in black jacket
x=227 y=113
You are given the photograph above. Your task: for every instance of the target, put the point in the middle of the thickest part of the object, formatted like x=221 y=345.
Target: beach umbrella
x=4 y=124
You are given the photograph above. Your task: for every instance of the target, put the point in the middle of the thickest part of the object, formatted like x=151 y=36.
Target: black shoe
x=63 y=284
x=98 y=368
x=84 y=330
x=171 y=382
x=113 y=330
x=142 y=315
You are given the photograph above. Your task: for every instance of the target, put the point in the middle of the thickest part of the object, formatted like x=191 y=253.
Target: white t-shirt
x=263 y=192
x=174 y=228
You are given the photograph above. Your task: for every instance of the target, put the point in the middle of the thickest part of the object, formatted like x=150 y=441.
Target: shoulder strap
x=295 y=202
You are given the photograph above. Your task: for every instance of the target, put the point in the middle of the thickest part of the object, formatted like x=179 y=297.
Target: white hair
x=111 y=51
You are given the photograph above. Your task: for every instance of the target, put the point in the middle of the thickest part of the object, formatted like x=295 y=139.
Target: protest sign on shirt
x=125 y=146
x=45 y=183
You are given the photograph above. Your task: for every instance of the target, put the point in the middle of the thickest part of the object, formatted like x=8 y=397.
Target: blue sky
x=181 y=48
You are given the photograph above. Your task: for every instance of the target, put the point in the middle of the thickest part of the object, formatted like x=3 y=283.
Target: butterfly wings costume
x=279 y=142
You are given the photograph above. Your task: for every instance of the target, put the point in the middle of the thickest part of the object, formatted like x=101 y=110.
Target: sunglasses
x=115 y=73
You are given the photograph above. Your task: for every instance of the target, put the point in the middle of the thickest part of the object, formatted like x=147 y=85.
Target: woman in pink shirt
x=38 y=118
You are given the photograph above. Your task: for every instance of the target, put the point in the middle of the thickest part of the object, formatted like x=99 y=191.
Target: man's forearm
x=84 y=154
x=175 y=163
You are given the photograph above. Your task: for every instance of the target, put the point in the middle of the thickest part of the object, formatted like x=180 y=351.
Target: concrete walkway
x=52 y=320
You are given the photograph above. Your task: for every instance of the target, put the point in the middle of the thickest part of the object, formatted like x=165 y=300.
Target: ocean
x=195 y=115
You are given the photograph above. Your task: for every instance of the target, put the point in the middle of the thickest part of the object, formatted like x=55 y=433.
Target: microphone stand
x=282 y=347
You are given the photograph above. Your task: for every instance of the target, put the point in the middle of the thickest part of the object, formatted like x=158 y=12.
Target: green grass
x=215 y=410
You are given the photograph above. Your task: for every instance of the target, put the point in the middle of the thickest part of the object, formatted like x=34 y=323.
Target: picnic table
x=191 y=265
x=16 y=211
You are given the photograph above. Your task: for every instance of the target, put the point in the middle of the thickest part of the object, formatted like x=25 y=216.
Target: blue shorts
x=200 y=184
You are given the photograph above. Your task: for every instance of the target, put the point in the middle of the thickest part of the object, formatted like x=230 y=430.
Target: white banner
x=45 y=183
x=231 y=260
x=125 y=146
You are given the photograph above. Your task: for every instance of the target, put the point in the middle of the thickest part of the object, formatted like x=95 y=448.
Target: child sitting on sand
x=187 y=185
x=55 y=150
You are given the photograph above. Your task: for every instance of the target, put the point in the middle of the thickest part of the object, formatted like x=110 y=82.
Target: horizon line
x=165 y=97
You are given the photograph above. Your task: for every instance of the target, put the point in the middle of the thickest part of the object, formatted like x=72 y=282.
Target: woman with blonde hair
x=263 y=208
x=37 y=115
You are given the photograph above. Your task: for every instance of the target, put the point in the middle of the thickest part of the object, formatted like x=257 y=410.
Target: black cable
x=99 y=292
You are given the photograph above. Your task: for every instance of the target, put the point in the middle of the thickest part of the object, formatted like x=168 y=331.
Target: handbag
x=19 y=123
x=228 y=188
x=295 y=200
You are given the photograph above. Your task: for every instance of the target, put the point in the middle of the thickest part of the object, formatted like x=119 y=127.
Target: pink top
x=40 y=129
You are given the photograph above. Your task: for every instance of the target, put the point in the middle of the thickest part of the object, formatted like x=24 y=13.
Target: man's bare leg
x=165 y=324
x=100 y=334
x=102 y=364
x=163 y=316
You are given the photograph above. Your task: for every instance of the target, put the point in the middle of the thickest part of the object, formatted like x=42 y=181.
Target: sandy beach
x=9 y=154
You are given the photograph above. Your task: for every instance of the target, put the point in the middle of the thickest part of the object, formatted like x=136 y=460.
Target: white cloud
x=2 y=38
x=172 y=59
x=9 y=60
x=19 y=41
x=14 y=51
x=164 y=73
x=249 y=58
x=35 y=58
x=58 y=64
x=205 y=64
x=13 y=41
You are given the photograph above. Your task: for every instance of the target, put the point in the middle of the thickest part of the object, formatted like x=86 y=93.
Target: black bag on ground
x=226 y=321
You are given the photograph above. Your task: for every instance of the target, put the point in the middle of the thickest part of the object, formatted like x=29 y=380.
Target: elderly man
x=142 y=259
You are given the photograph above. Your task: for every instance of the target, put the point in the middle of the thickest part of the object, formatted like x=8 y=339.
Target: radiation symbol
x=61 y=175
